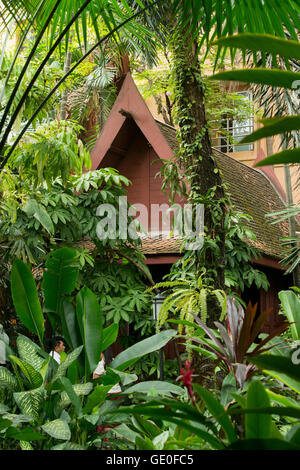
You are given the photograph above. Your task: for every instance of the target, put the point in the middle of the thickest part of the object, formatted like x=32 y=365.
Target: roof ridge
x=165 y=124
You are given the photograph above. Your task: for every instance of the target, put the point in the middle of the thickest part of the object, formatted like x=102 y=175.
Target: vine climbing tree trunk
x=196 y=158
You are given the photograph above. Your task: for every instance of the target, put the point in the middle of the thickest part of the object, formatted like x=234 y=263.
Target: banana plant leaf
x=257 y=426
x=59 y=278
x=25 y=299
x=146 y=346
x=291 y=307
x=90 y=320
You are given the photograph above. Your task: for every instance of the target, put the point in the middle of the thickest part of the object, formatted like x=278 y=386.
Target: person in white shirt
x=100 y=370
x=58 y=346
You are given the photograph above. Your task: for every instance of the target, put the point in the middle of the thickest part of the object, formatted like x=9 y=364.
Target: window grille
x=234 y=132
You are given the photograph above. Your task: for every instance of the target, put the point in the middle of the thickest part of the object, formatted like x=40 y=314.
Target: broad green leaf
x=73 y=397
x=162 y=388
x=146 y=346
x=258 y=426
x=144 y=443
x=89 y=317
x=69 y=325
x=278 y=364
x=285 y=157
x=217 y=411
x=281 y=368
x=291 y=307
x=4 y=423
x=146 y=426
x=30 y=401
x=36 y=210
x=124 y=377
x=96 y=398
x=62 y=368
x=65 y=398
x=110 y=334
x=58 y=429
x=8 y=380
x=59 y=278
x=26 y=434
x=281 y=399
x=125 y=432
x=228 y=387
x=25 y=299
x=274 y=77
x=293 y=435
x=186 y=421
x=33 y=376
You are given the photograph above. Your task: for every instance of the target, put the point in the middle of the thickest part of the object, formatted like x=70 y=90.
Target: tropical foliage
x=58 y=276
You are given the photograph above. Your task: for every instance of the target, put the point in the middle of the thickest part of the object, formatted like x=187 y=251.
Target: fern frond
x=167 y=285
x=203 y=305
x=166 y=307
x=222 y=299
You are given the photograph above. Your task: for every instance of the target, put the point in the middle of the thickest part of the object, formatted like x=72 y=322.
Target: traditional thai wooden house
x=133 y=142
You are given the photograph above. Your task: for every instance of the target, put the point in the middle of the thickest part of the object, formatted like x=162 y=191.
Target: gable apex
x=129 y=104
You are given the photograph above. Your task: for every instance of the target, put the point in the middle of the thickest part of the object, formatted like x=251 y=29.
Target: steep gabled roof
x=129 y=103
x=251 y=190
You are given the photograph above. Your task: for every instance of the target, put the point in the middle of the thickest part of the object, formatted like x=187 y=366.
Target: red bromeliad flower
x=186 y=378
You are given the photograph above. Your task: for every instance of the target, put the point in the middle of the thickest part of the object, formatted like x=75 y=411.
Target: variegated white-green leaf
x=33 y=376
x=28 y=352
x=24 y=445
x=30 y=401
x=68 y=446
x=59 y=429
x=62 y=368
x=160 y=440
x=3 y=408
x=8 y=380
x=65 y=416
x=79 y=389
x=17 y=418
x=93 y=419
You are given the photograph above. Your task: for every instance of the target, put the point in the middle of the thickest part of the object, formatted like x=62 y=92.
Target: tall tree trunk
x=63 y=106
x=197 y=159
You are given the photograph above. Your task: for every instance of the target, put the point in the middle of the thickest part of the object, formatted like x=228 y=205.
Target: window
x=234 y=131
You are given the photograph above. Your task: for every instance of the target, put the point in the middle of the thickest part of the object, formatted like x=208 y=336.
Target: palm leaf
x=274 y=126
x=274 y=77
x=264 y=43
